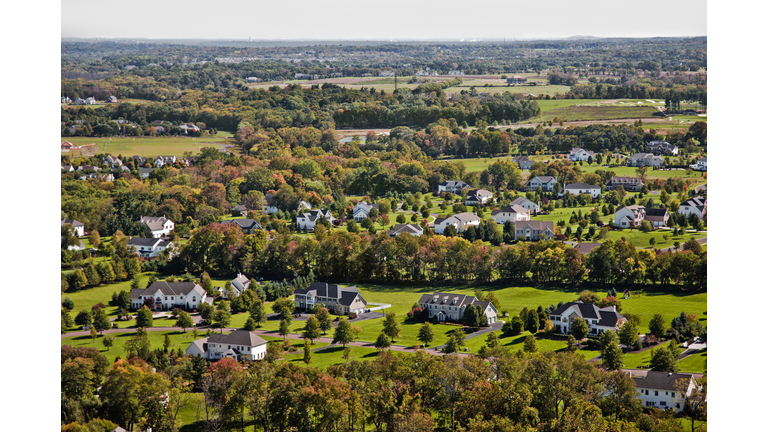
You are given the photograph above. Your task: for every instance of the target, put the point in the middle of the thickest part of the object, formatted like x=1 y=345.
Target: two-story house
x=525 y=203
x=248 y=226
x=448 y=306
x=168 y=295
x=511 y=213
x=149 y=247
x=76 y=225
x=701 y=164
x=629 y=216
x=308 y=220
x=239 y=285
x=459 y=221
x=478 y=196
x=598 y=319
x=336 y=298
x=645 y=159
x=157 y=226
x=546 y=183
x=112 y=161
x=412 y=229
x=695 y=205
x=662 y=147
x=627 y=182
x=658 y=217
x=663 y=389
x=581 y=188
x=240 y=345
x=579 y=154
x=523 y=162
x=162 y=160
x=529 y=230
x=452 y=186
x=362 y=210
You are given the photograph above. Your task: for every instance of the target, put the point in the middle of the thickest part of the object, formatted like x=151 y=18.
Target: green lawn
x=178 y=339
x=694 y=363
x=149 y=146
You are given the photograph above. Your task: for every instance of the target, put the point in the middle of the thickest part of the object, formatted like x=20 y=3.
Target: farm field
x=593 y=112
x=148 y=146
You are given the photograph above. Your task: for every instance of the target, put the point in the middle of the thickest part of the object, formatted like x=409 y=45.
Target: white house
x=239 y=285
x=145 y=172
x=336 y=298
x=579 y=154
x=452 y=186
x=76 y=225
x=523 y=162
x=271 y=207
x=362 y=210
x=534 y=230
x=662 y=389
x=658 y=217
x=459 y=221
x=511 y=213
x=149 y=247
x=157 y=226
x=701 y=164
x=168 y=295
x=546 y=183
x=598 y=319
x=582 y=188
x=240 y=345
x=113 y=161
x=695 y=205
x=412 y=229
x=627 y=182
x=309 y=219
x=645 y=159
x=629 y=216
x=478 y=196
x=525 y=203
x=448 y=306
x=162 y=160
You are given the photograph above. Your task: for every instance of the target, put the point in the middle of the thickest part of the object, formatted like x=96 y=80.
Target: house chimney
x=669 y=373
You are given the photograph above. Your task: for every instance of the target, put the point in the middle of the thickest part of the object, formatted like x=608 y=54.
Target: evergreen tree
x=307 y=353
x=382 y=342
x=312 y=329
x=324 y=317
x=258 y=312
x=613 y=357
x=391 y=326
x=426 y=334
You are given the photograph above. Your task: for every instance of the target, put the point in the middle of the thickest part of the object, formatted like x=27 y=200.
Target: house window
x=673 y=394
x=656 y=393
x=646 y=392
x=663 y=403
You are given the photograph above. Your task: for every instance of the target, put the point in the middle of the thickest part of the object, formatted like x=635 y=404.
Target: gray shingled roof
x=606 y=316
x=237 y=337
x=144 y=241
x=656 y=380
x=581 y=186
x=72 y=222
x=166 y=288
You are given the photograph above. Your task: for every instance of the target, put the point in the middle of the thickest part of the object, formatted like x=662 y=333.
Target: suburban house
x=582 y=188
x=598 y=319
x=478 y=196
x=239 y=285
x=302 y=206
x=113 y=161
x=67 y=168
x=79 y=101
x=157 y=226
x=362 y=210
x=148 y=247
x=546 y=183
x=145 y=172
x=459 y=221
x=240 y=210
x=90 y=101
x=512 y=212
x=66 y=145
x=452 y=186
x=270 y=208
x=523 y=162
x=645 y=159
x=66 y=100
x=102 y=177
x=629 y=216
x=658 y=217
x=701 y=164
x=579 y=154
x=336 y=298
x=111 y=99
x=88 y=168
x=186 y=127
x=248 y=226
x=412 y=229
x=309 y=219
x=252 y=79
x=585 y=248
x=239 y=345
x=516 y=79
x=162 y=160
x=695 y=205
x=662 y=147
x=77 y=247
x=448 y=306
x=77 y=225
x=662 y=389
x=534 y=230
x=525 y=203
x=139 y=161
x=386 y=74
x=628 y=183
x=168 y=295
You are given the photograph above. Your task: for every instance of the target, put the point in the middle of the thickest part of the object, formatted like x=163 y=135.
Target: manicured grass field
x=581 y=113
x=643 y=240
x=499 y=89
x=178 y=339
x=149 y=146
x=694 y=363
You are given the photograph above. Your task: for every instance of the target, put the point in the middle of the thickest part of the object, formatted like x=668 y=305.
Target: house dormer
x=455 y=299
x=445 y=299
x=434 y=299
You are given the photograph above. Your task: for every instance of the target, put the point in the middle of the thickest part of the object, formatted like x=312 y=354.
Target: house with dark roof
x=239 y=285
x=362 y=210
x=701 y=164
x=459 y=221
x=662 y=147
x=529 y=230
x=525 y=203
x=579 y=154
x=239 y=345
x=452 y=186
x=67 y=168
x=309 y=219
x=241 y=210
x=523 y=162
x=664 y=390
x=448 y=306
x=581 y=188
x=585 y=248
x=168 y=295
x=478 y=196
x=645 y=159
x=77 y=225
x=512 y=213
x=412 y=229
x=162 y=160
x=546 y=183
x=157 y=226
x=598 y=319
x=111 y=99
x=145 y=172
x=112 y=161
x=271 y=207
x=248 y=226
x=627 y=182
x=658 y=217
x=695 y=205
x=150 y=247
x=629 y=216
x=336 y=298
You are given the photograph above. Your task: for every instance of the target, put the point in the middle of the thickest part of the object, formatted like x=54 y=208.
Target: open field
x=594 y=112
x=148 y=146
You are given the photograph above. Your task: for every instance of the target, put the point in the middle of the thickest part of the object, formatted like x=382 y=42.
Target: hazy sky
x=381 y=20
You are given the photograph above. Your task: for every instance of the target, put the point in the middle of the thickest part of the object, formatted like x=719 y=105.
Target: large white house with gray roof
x=336 y=298
x=240 y=345
x=598 y=319
x=149 y=247
x=546 y=183
x=78 y=226
x=448 y=306
x=529 y=230
x=459 y=221
x=168 y=295
x=362 y=210
x=157 y=226
x=581 y=188
x=659 y=389
x=310 y=218
x=512 y=213
x=452 y=186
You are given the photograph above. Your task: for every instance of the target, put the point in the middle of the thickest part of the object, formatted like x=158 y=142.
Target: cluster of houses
x=87 y=101
x=632 y=216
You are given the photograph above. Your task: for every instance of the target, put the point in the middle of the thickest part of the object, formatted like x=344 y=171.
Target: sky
x=380 y=20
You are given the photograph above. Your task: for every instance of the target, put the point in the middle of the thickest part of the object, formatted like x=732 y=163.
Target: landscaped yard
x=150 y=147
